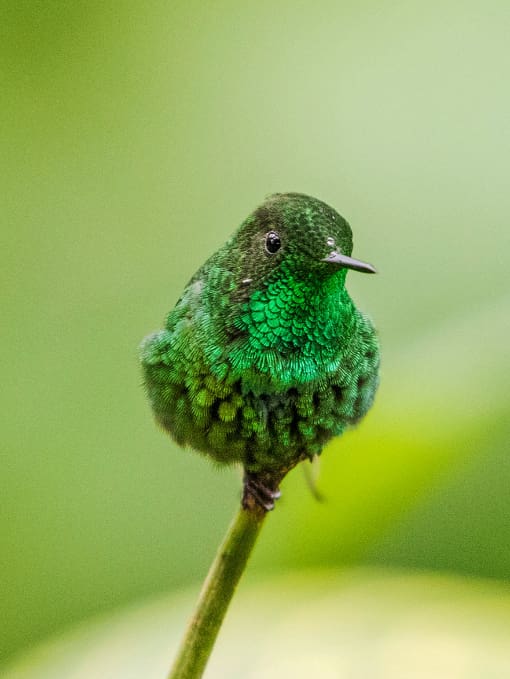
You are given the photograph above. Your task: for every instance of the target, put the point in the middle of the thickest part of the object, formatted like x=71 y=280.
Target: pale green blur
x=135 y=138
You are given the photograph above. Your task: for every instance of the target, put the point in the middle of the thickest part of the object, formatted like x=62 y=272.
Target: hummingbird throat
x=294 y=314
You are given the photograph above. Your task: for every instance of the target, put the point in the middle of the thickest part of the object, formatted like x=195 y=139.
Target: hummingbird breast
x=236 y=407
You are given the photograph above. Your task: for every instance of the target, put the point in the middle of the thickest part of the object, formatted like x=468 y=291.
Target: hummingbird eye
x=273 y=242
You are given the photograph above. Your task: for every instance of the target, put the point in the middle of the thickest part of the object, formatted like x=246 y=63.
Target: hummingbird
x=265 y=357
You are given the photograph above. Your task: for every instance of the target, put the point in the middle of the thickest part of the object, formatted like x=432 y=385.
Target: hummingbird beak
x=349 y=263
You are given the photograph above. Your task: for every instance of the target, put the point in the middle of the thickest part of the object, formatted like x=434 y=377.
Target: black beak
x=349 y=263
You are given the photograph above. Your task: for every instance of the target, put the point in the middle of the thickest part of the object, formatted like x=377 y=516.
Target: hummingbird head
x=287 y=294
x=298 y=235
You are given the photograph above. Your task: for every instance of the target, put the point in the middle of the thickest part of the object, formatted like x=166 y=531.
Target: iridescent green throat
x=293 y=324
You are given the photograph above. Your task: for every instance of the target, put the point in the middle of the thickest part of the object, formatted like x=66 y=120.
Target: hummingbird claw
x=259 y=491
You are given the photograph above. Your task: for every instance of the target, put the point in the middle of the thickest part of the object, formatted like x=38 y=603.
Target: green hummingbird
x=265 y=357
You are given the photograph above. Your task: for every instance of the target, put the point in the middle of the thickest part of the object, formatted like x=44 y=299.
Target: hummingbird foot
x=259 y=490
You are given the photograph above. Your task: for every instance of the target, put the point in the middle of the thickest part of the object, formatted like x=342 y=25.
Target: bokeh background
x=135 y=138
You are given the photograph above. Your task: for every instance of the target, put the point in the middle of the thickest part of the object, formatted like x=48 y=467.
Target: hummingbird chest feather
x=275 y=393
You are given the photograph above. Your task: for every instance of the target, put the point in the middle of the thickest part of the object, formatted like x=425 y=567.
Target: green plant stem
x=216 y=593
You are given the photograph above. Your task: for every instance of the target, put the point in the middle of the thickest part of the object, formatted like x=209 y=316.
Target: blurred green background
x=135 y=138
